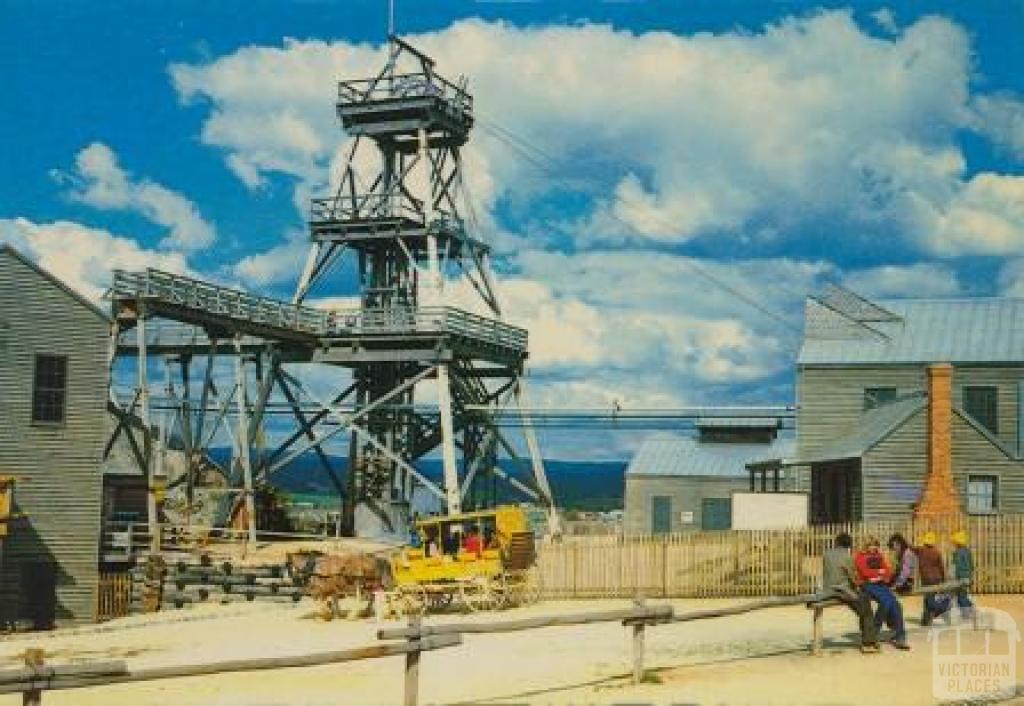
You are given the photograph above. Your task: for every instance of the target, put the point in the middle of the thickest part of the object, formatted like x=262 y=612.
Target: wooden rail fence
x=755 y=563
x=411 y=641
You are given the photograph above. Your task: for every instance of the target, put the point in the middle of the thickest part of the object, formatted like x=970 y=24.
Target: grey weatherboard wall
x=831 y=403
x=686 y=492
x=831 y=399
x=59 y=466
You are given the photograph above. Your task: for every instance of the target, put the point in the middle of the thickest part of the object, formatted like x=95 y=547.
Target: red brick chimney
x=939 y=499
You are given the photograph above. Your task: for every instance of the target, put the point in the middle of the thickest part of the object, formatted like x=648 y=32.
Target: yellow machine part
x=6 y=503
x=412 y=566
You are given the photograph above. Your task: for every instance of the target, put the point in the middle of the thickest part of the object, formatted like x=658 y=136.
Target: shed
x=676 y=483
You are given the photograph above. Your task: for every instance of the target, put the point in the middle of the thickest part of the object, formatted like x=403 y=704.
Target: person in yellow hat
x=963 y=568
x=933 y=572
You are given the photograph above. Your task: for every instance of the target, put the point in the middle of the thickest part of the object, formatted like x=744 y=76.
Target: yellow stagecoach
x=480 y=560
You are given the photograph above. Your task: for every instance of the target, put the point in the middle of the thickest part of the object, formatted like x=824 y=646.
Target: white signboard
x=686 y=517
x=755 y=511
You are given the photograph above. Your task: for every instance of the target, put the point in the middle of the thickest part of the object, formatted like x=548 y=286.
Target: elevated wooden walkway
x=328 y=335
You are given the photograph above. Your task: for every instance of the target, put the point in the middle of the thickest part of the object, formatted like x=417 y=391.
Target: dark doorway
x=835 y=492
x=716 y=513
x=39 y=594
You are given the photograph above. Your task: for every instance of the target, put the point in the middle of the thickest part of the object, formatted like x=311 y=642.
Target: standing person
x=839 y=580
x=933 y=572
x=874 y=572
x=906 y=564
x=963 y=568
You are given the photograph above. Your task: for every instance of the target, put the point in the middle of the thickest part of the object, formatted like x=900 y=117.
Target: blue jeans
x=963 y=601
x=934 y=605
x=889 y=609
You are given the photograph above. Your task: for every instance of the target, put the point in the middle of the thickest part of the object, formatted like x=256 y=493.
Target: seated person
x=430 y=546
x=874 y=574
x=473 y=544
x=453 y=540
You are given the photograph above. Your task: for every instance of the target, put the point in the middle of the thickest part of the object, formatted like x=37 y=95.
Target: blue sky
x=774 y=145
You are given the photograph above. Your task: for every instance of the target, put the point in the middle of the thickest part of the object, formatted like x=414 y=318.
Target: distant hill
x=577 y=485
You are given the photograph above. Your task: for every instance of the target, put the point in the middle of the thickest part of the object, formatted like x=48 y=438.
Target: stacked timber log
x=183 y=582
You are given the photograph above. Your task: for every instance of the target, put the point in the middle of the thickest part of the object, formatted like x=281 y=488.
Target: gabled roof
x=973 y=330
x=874 y=426
x=672 y=455
x=6 y=249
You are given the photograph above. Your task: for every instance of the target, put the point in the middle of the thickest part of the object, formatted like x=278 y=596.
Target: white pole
x=243 y=441
x=444 y=393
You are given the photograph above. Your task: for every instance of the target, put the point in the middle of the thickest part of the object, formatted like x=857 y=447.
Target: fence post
x=816 y=640
x=664 y=567
x=412 y=663
x=33 y=660
x=638 y=644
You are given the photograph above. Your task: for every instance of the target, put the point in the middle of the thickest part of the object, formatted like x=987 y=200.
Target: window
x=980 y=403
x=982 y=495
x=878 y=396
x=49 y=389
x=716 y=514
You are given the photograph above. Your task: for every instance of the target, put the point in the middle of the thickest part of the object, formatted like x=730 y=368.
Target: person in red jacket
x=473 y=544
x=875 y=573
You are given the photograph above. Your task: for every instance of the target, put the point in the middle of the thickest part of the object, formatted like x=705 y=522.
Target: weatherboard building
x=678 y=483
x=887 y=389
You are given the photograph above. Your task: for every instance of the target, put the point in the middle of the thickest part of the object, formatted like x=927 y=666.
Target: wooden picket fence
x=757 y=563
x=113 y=596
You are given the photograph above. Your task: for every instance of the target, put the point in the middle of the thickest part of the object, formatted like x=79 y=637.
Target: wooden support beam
x=638 y=643
x=650 y=613
x=816 y=638
x=412 y=665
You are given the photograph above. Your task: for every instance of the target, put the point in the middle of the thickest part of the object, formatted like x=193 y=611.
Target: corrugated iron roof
x=672 y=455
x=978 y=330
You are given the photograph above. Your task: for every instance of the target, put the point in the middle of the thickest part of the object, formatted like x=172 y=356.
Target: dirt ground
x=757 y=658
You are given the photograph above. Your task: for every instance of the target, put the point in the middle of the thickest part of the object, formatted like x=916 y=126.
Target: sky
x=693 y=169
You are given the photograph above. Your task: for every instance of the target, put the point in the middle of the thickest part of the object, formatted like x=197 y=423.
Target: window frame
x=871 y=400
x=994 y=389
x=37 y=389
x=983 y=477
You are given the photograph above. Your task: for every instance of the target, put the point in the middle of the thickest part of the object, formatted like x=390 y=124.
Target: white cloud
x=280 y=264
x=886 y=20
x=922 y=279
x=83 y=257
x=645 y=329
x=680 y=137
x=99 y=181
x=1001 y=118
x=985 y=215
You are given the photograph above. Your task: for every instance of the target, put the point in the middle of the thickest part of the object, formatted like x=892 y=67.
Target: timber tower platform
x=397 y=213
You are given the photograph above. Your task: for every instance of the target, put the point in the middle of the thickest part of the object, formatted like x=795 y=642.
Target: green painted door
x=716 y=513
x=661 y=514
